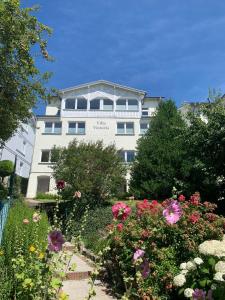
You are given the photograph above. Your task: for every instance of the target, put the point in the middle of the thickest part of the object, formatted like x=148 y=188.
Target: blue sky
x=174 y=49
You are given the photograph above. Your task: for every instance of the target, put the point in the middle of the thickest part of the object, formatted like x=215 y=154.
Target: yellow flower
x=41 y=255
x=1 y=252
x=63 y=296
x=32 y=248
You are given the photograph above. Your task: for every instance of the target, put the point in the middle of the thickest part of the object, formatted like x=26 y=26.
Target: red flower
x=145 y=233
x=211 y=217
x=195 y=199
x=121 y=211
x=120 y=226
x=194 y=217
x=60 y=184
x=181 y=198
x=149 y=207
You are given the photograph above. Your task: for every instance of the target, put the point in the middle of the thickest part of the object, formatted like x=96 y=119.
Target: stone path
x=76 y=284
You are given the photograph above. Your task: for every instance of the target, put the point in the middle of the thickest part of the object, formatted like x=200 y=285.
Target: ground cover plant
x=146 y=245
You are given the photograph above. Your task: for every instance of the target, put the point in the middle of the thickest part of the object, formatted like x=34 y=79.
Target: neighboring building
x=19 y=148
x=99 y=110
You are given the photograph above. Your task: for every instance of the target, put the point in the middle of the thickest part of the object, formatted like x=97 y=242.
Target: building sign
x=101 y=125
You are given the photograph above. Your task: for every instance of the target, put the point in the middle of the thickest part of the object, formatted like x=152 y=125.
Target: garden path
x=76 y=284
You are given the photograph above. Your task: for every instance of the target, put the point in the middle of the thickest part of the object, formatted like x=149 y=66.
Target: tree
x=205 y=140
x=21 y=83
x=159 y=164
x=90 y=168
x=6 y=168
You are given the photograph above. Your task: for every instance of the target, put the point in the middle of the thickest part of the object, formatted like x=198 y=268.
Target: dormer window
x=95 y=104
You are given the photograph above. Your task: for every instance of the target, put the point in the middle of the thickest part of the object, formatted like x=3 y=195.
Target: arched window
x=95 y=104
x=81 y=103
x=107 y=104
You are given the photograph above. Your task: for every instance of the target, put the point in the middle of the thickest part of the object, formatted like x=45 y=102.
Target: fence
x=4 y=210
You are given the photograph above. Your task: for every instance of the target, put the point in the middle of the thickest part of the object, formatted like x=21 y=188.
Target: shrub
x=3 y=191
x=45 y=196
x=6 y=168
x=147 y=246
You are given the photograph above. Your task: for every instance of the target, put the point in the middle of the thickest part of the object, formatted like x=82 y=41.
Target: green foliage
x=5 y=282
x=160 y=154
x=21 y=83
x=18 y=235
x=6 y=168
x=90 y=168
x=45 y=196
x=165 y=245
x=3 y=192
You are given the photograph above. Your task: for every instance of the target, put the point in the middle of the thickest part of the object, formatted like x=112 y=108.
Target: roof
x=103 y=82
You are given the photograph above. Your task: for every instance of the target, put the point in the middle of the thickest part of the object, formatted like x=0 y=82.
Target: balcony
x=66 y=113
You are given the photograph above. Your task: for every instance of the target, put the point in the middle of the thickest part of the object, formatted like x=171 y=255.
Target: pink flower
x=120 y=226
x=26 y=221
x=77 y=194
x=173 y=212
x=60 y=184
x=138 y=253
x=195 y=199
x=121 y=211
x=181 y=198
x=36 y=217
x=193 y=218
x=199 y=294
x=55 y=241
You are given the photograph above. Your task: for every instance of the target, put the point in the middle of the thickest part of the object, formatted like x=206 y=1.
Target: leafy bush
x=145 y=247
x=3 y=192
x=90 y=168
x=6 y=168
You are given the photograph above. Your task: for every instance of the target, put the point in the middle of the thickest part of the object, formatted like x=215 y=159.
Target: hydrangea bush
x=147 y=244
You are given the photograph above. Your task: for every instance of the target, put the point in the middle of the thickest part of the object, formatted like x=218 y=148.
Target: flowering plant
x=146 y=243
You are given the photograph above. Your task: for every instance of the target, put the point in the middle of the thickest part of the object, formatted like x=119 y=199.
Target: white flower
x=213 y=247
x=219 y=276
x=184 y=272
x=188 y=293
x=198 y=261
x=191 y=266
x=179 y=280
x=213 y=286
x=183 y=266
x=220 y=266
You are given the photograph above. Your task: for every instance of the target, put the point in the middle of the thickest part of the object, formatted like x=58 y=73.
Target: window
x=53 y=127
x=24 y=147
x=127 y=156
x=76 y=128
x=82 y=104
x=144 y=112
x=125 y=128
x=45 y=156
x=107 y=104
x=79 y=103
x=132 y=104
x=143 y=127
x=70 y=104
x=95 y=104
x=121 y=104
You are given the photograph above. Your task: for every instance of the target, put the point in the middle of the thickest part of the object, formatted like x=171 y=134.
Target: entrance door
x=43 y=184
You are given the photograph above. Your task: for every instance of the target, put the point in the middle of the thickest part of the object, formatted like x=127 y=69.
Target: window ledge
x=130 y=134
x=45 y=163
x=75 y=133
x=44 y=133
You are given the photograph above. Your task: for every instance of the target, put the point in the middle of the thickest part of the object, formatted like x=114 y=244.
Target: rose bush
x=147 y=245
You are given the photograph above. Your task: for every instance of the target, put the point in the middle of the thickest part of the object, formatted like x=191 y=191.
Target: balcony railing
x=100 y=114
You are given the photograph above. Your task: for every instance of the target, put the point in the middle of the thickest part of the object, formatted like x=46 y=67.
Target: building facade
x=99 y=110
x=19 y=148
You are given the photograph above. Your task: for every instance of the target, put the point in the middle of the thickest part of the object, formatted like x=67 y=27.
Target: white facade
x=20 y=147
x=99 y=110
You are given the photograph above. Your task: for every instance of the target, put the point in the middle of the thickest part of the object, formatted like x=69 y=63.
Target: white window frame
x=75 y=104
x=125 y=152
x=49 y=157
x=126 y=104
x=76 y=128
x=125 y=128
x=147 y=123
x=53 y=128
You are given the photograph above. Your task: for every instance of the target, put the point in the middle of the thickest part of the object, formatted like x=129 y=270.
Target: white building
x=99 y=110
x=20 y=147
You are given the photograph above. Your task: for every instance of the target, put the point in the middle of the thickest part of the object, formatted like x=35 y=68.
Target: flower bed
x=147 y=245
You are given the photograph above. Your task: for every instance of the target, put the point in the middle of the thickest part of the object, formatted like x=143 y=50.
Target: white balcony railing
x=99 y=114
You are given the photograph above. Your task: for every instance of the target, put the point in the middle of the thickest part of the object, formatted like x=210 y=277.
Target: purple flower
x=173 y=212
x=145 y=270
x=199 y=294
x=138 y=253
x=210 y=295
x=55 y=241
